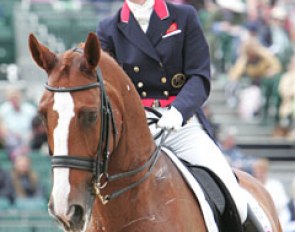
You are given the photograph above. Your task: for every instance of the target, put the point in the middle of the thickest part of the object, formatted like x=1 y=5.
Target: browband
x=71 y=89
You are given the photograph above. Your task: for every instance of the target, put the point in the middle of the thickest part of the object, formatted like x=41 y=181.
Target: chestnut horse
x=108 y=174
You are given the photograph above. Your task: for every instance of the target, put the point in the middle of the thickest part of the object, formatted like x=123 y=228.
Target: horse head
x=84 y=117
x=73 y=125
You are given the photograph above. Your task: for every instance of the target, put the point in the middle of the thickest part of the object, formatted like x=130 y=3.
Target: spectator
x=274 y=187
x=262 y=68
x=281 y=45
x=290 y=25
x=24 y=179
x=226 y=28
x=6 y=188
x=39 y=135
x=228 y=145
x=15 y=120
x=286 y=125
x=259 y=21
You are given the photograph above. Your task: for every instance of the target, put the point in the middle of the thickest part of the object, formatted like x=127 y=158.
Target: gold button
x=139 y=84
x=166 y=93
x=143 y=94
x=163 y=80
x=136 y=69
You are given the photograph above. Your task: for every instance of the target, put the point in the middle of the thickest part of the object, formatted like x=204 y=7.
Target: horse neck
x=136 y=143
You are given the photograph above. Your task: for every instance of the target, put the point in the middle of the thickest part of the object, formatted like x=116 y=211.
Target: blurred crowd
x=21 y=131
x=252 y=47
x=252 y=44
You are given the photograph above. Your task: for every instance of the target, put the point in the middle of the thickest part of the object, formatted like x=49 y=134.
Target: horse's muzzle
x=73 y=221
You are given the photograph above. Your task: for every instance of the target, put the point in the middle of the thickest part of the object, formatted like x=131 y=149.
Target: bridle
x=98 y=165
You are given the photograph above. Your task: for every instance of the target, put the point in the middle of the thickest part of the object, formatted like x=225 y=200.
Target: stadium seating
x=30 y=204
x=5 y=162
x=4 y=204
x=7 y=44
x=20 y=228
x=26 y=215
x=70 y=27
x=41 y=165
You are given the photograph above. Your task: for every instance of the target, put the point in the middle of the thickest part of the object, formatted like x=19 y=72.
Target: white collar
x=142 y=13
x=148 y=5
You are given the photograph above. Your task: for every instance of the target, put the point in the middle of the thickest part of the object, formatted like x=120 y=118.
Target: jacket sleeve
x=196 y=67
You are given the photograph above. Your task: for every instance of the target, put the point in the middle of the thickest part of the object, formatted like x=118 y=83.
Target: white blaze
x=64 y=106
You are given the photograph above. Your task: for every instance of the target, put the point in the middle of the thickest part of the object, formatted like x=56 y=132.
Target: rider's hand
x=171 y=119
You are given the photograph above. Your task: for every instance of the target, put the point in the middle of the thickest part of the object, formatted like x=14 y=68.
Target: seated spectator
x=258 y=22
x=250 y=102
x=24 y=179
x=274 y=187
x=286 y=125
x=228 y=145
x=15 y=121
x=262 y=68
x=39 y=135
x=281 y=44
x=6 y=188
x=226 y=27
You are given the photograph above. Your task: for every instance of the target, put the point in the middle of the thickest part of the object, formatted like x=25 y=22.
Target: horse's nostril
x=75 y=214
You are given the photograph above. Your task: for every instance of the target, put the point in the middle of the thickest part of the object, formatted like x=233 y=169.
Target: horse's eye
x=88 y=118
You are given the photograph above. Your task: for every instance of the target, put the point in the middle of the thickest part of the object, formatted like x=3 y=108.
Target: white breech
x=192 y=144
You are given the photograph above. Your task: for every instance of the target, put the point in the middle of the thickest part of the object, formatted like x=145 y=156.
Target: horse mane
x=121 y=85
x=117 y=77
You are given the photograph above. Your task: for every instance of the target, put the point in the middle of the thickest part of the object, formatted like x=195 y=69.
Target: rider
x=162 y=48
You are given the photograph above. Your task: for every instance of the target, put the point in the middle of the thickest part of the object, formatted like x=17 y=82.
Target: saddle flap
x=218 y=197
x=211 y=189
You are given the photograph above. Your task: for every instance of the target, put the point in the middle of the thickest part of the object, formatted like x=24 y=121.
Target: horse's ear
x=41 y=54
x=92 y=51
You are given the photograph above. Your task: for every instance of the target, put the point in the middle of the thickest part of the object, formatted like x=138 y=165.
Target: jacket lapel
x=154 y=32
x=136 y=36
x=157 y=27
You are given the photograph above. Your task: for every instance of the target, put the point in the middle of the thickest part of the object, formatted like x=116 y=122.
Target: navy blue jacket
x=170 y=59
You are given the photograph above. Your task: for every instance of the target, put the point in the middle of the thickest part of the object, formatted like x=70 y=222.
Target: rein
x=98 y=166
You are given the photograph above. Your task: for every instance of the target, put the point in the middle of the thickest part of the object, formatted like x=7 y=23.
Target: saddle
x=218 y=197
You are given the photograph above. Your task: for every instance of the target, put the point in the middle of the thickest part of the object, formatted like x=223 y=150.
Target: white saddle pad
x=196 y=188
x=207 y=211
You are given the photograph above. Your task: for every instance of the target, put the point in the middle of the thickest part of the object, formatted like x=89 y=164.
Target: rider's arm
x=196 y=65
